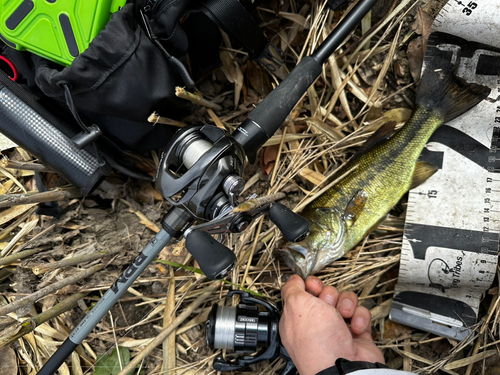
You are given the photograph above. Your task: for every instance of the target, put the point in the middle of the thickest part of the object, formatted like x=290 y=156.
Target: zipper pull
x=150 y=6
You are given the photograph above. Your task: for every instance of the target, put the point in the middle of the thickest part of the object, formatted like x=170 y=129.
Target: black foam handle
x=268 y=116
x=215 y=259
x=294 y=227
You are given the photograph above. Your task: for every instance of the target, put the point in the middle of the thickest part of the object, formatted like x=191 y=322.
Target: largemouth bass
x=343 y=215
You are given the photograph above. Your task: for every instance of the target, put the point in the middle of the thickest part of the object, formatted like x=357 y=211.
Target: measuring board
x=452 y=229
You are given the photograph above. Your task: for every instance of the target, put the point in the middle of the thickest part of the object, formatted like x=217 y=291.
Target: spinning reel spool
x=249 y=328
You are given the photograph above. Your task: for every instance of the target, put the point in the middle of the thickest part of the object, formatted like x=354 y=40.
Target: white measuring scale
x=451 y=236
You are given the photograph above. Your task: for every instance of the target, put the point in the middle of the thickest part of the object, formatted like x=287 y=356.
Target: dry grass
x=366 y=83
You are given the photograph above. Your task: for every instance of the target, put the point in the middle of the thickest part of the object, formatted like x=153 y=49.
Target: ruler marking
x=477 y=237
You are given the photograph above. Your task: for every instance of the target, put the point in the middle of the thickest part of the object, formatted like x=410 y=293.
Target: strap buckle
x=271 y=57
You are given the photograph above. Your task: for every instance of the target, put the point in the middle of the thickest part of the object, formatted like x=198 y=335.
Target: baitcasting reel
x=200 y=175
x=250 y=327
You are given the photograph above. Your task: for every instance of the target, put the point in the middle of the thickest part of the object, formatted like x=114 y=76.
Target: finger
x=346 y=304
x=294 y=285
x=330 y=295
x=361 y=321
x=314 y=285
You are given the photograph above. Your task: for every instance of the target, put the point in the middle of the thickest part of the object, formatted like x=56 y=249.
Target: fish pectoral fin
x=297 y=248
x=423 y=170
x=383 y=133
x=355 y=208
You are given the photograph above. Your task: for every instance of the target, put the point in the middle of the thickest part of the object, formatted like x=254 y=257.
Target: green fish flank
x=343 y=215
x=384 y=173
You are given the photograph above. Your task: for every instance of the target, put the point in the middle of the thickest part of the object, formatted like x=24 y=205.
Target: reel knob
x=293 y=226
x=215 y=259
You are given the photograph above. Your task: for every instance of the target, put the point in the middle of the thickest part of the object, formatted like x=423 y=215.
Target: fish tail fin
x=440 y=90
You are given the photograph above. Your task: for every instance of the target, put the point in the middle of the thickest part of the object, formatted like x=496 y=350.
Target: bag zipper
x=151 y=6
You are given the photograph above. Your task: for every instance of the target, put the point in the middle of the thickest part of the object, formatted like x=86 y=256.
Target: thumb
x=294 y=285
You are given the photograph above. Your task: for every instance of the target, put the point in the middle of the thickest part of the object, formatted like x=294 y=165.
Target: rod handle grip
x=268 y=116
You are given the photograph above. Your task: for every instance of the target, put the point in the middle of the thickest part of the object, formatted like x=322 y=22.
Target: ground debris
x=369 y=81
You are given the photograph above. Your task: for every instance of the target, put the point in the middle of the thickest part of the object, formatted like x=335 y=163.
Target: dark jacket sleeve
x=343 y=366
x=329 y=371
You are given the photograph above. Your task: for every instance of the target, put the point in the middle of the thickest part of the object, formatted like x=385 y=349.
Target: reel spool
x=249 y=328
x=202 y=168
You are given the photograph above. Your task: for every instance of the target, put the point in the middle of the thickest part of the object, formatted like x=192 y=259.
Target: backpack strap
x=234 y=19
x=334 y=4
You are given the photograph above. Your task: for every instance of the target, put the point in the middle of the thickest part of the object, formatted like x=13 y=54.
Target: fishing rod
x=200 y=175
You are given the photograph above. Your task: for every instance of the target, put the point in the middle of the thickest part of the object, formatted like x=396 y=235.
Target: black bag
x=121 y=74
x=132 y=67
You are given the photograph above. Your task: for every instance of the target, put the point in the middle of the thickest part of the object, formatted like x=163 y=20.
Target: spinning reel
x=200 y=175
x=250 y=327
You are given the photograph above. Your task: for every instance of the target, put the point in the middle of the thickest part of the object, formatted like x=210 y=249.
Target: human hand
x=313 y=327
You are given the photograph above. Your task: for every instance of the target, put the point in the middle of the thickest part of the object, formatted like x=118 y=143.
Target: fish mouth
x=319 y=249
x=298 y=257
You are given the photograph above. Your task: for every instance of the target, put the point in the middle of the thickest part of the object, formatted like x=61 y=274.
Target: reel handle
x=294 y=227
x=215 y=259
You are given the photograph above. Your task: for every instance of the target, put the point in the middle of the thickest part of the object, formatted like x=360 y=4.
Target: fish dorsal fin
x=383 y=133
x=423 y=170
x=355 y=208
x=441 y=91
